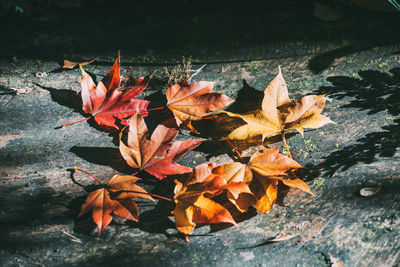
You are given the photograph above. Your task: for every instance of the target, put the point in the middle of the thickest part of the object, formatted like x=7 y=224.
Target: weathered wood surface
x=40 y=198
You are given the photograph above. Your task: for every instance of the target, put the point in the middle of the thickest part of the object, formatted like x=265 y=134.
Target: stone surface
x=40 y=197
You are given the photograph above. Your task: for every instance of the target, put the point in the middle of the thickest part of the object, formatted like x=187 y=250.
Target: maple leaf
x=192 y=206
x=263 y=171
x=237 y=177
x=70 y=64
x=157 y=155
x=114 y=198
x=194 y=203
x=279 y=114
x=110 y=100
x=268 y=167
x=207 y=177
x=194 y=101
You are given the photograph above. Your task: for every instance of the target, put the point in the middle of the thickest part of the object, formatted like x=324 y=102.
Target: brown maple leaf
x=207 y=177
x=279 y=114
x=111 y=101
x=71 y=64
x=114 y=198
x=191 y=102
x=194 y=204
x=268 y=167
x=157 y=155
x=262 y=173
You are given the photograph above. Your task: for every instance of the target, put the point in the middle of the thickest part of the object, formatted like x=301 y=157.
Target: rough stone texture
x=356 y=59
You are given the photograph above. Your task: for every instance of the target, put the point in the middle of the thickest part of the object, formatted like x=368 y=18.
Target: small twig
x=286 y=145
x=21 y=91
x=88 y=173
x=73 y=238
x=196 y=72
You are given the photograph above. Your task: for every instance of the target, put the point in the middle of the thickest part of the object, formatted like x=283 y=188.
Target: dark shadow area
x=6 y=91
x=247 y=99
x=84 y=224
x=236 y=214
x=374 y=92
x=24 y=209
x=223 y=33
x=156 y=219
x=107 y=156
x=73 y=100
x=66 y=98
x=323 y=61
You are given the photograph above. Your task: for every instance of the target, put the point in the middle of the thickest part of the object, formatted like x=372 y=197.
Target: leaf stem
x=69 y=123
x=161 y=197
x=145 y=112
x=88 y=173
x=286 y=145
x=234 y=148
x=85 y=119
x=163 y=107
x=149 y=194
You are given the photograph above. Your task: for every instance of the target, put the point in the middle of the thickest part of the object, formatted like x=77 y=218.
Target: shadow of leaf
x=247 y=99
x=374 y=92
x=107 y=156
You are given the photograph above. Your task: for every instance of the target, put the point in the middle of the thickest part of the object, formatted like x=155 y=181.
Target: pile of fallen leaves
x=246 y=182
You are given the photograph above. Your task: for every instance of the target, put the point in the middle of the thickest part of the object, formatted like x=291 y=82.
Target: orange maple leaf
x=114 y=198
x=262 y=173
x=71 y=64
x=194 y=204
x=206 y=177
x=194 y=101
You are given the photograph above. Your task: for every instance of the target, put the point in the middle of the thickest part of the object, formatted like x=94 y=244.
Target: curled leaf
x=369 y=191
x=70 y=64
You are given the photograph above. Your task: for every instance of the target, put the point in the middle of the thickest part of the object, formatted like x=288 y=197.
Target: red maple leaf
x=112 y=100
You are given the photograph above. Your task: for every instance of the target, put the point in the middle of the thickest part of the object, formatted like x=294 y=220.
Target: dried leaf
x=262 y=173
x=157 y=155
x=279 y=114
x=271 y=164
x=194 y=101
x=114 y=198
x=369 y=191
x=70 y=64
x=109 y=102
x=193 y=207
